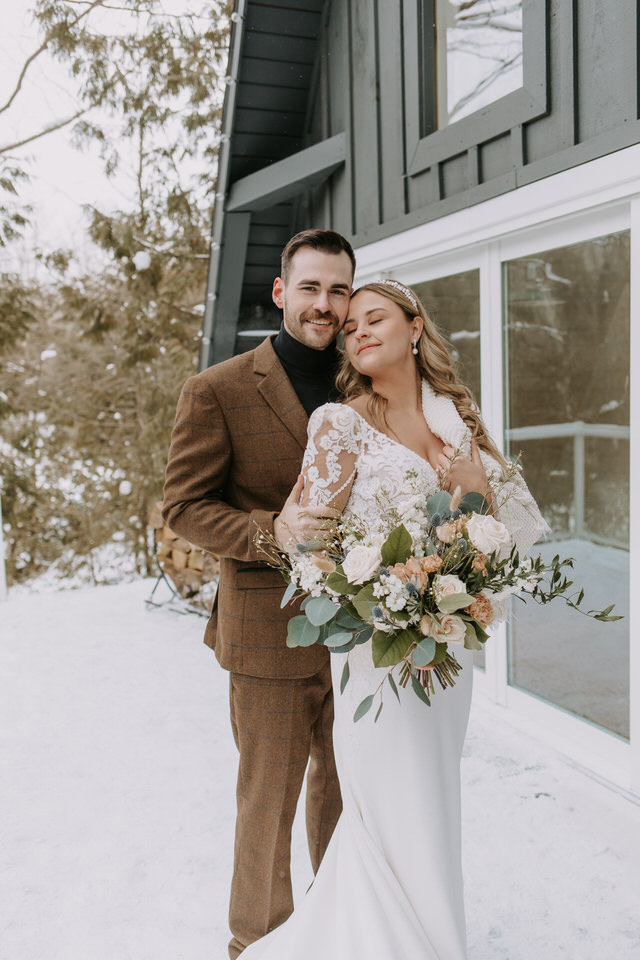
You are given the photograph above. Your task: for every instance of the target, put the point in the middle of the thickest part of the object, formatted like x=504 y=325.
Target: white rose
x=361 y=563
x=445 y=585
x=451 y=629
x=486 y=533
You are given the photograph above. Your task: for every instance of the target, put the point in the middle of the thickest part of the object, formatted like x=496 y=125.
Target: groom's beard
x=318 y=336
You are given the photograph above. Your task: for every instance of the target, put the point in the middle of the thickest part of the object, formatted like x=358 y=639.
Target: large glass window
x=567 y=411
x=453 y=303
x=478 y=55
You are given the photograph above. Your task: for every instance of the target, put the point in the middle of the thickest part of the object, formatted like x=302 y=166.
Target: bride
x=390 y=883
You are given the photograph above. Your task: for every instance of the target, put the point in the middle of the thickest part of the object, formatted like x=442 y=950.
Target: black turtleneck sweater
x=310 y=371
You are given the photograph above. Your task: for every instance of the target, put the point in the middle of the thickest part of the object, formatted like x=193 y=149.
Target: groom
x=235 y=455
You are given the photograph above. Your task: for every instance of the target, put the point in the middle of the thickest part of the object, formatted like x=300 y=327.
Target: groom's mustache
x=316 y=315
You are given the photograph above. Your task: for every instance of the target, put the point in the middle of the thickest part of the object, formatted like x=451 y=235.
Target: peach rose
x=431 y=564
x=479 y=562
x=410 y=572
x=445 y=586
x=481 y=610
x=451 y=629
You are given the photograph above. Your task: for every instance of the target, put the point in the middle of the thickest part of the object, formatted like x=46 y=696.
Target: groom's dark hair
x=327 y=241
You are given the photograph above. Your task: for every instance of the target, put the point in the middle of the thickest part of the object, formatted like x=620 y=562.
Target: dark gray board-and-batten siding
x=309 y=72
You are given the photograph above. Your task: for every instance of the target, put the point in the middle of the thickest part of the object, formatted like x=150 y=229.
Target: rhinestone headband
x=403 y=290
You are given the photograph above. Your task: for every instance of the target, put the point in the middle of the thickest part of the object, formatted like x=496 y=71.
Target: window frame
x=425 y=145
x=598 y=197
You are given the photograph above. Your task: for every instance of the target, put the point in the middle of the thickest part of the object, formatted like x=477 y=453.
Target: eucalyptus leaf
x=345 y=648
x=344 y=680
x=393 y=686
x=338 y=639
x=455 y=601
x=424 y=652
x=363 y=635
x=397 y=547
x=311 y=546
x=419 y=690
x=301 y=633
x=389 y=648
x=439 y=503
x=474 y=502
x=320 y=610
x=363 y=708
x=378 y=712
x=346 y=621
x=288 y=594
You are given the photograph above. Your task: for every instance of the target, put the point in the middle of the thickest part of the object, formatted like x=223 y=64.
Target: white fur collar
x=443 y=419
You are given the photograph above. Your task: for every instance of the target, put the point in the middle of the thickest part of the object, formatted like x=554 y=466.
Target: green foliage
x=288 y=595
x=439 y=503
x=13 y=216
x=424 y=652
x=364 y=600
x=393 y=686
x=397 y=546
x=389 y=648
x=471 y=641
x=85 y=430
x=455 y=601
x=419 y=690
x=363 y=708
x=344 y=679
x=474 y=502
x=301 y=633
x=320 y=610
x=17 y=310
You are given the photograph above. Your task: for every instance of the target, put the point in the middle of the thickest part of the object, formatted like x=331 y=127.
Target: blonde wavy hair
x=433 y=363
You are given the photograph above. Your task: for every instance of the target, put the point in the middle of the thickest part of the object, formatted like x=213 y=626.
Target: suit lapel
x=275 y=387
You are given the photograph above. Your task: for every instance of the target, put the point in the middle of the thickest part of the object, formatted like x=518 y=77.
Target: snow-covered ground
x=117 y=780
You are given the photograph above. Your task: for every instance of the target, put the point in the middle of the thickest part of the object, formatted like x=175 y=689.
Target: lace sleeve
x=515 y=507
x=329 y=465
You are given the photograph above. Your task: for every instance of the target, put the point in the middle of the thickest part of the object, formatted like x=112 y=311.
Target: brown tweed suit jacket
x=236 y=450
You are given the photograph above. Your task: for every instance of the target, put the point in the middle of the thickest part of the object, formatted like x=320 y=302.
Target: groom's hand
x=295 y=524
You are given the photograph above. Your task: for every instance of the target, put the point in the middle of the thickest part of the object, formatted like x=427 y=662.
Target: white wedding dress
x=390 y=884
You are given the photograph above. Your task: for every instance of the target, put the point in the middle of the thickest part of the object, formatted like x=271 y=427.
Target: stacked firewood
x=192 y=571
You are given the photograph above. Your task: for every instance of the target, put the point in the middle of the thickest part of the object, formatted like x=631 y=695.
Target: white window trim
x=591 y=200
x=597 y=184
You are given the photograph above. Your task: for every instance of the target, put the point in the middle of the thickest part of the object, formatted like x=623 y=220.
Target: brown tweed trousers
x=235 y=454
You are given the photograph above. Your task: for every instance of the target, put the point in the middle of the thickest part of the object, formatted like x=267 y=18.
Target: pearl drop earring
x=414 y=351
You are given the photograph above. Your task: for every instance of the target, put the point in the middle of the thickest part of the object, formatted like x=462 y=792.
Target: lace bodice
x=352 y=466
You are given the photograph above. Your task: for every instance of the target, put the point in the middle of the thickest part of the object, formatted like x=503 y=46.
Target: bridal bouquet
x=434 y=583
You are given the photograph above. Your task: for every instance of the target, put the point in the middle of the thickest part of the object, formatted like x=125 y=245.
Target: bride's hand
x=295 y=524
x=459 y=471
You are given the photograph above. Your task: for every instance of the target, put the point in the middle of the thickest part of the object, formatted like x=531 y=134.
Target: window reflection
x=478 y=54
x=567 y=345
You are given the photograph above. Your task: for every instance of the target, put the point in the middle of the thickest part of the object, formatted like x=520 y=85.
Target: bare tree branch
x=43 y=46
x=8 y=147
